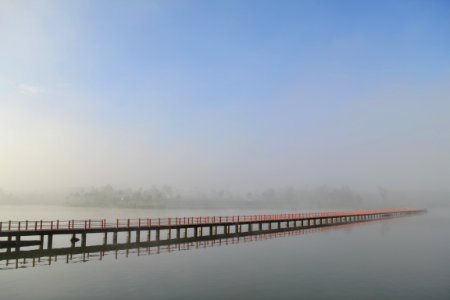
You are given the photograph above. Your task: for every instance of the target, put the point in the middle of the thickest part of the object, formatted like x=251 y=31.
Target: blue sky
x=233 y=94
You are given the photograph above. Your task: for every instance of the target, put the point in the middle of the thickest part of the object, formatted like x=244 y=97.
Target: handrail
x=87 y=224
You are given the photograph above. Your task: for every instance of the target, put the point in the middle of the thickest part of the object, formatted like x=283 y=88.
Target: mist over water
x=154 y=109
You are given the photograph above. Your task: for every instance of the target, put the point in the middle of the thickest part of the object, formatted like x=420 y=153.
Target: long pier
x=12 y=232
x=36 y=258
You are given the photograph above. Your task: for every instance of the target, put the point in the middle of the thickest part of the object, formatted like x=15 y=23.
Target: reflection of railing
x=36 y=258
x=56 y=225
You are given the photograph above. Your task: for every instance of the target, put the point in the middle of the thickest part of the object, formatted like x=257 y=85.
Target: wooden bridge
x=42 y=232
x=46 y=257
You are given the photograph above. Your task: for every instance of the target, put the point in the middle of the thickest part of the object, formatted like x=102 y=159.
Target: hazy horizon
x=303 y=94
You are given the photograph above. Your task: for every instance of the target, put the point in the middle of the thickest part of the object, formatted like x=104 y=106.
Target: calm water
x=405 y=258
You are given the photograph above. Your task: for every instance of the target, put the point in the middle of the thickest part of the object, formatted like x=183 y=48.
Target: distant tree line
x=321 y=197
x=108 y=196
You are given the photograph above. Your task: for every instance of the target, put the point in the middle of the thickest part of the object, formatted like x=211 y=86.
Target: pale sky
x=224 y=94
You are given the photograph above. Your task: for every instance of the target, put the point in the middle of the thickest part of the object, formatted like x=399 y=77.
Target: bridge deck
x=26 y=227
x=184 y=227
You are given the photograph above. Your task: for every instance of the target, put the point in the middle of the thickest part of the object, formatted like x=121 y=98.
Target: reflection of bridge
x=179 y=231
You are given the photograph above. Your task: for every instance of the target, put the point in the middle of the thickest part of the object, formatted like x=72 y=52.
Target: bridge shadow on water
x=23 y=259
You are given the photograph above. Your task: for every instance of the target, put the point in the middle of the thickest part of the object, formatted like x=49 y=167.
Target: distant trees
x=328 y=197
x=108 y=196
x=320 y=197
x=165 y=196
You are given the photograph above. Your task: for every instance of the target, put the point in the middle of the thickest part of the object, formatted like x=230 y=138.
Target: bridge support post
x=49 y=241
x=138 y=236
x=9 y=243
x=83 y=239
x=105 y=238
x=115 y=237
x=158 y=234
x=17 y=243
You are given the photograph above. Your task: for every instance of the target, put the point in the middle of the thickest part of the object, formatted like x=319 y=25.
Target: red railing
x=179 y=221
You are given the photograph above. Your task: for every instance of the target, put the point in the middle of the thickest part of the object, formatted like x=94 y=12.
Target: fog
x=78 y=111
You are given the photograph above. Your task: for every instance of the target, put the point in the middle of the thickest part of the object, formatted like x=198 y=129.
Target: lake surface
x=403 y=258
